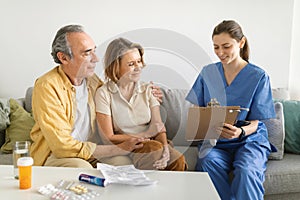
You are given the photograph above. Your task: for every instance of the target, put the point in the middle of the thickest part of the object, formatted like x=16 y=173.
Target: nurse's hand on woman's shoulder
x=157 y=92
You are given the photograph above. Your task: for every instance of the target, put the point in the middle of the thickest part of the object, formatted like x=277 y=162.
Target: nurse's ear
x=242 y=42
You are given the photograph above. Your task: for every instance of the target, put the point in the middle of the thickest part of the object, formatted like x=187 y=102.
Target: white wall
x=294 y=83
x=28 y=28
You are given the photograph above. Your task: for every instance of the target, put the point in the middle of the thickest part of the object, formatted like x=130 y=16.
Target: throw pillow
x=4 y=112
x=280 y=93
x=20 y=126
x=28 y=97
x=2 y=137
x=291 y=109
x=276 y=132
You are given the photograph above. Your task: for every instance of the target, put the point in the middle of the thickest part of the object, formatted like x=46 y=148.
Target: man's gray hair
x=60 y=42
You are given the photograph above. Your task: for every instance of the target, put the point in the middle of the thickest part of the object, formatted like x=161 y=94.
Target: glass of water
x=20 y=149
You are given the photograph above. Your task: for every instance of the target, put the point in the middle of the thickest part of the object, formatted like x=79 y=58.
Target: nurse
x=244 y=150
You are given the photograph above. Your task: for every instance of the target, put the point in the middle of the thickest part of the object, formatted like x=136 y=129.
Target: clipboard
x=202 y=121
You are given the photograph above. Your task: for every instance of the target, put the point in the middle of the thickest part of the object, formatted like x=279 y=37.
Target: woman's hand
x=162 y=163
x=229 y=131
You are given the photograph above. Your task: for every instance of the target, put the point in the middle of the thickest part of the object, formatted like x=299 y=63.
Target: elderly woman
x=126 y=108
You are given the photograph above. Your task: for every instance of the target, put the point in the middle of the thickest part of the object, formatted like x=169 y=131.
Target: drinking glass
x=20 y=149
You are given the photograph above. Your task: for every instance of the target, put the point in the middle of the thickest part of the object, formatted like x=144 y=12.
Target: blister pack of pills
x=67 y=190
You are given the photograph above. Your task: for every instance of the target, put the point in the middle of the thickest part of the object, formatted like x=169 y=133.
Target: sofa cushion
x=20 y=126
x=291 y=109
x=280 y=93
x=174 y=114
x=28 y=98
x=276 y=131
x=191 y=154
x=283 y=176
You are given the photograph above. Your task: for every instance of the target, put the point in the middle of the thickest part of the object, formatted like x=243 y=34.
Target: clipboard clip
x=214 y=102
x=238 y=110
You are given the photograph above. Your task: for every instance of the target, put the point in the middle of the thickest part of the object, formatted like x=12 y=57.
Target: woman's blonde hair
x=113 y=55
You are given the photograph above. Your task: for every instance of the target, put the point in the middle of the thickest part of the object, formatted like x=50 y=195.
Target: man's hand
x=157 y=92
x=123 y=148
x=131 y=144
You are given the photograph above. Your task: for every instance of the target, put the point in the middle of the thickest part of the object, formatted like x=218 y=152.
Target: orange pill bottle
x=25 y=172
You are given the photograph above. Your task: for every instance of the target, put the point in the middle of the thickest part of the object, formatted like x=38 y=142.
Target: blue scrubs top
x=250 y=89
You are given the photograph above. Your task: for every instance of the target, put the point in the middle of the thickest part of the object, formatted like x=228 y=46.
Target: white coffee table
x=170 y=185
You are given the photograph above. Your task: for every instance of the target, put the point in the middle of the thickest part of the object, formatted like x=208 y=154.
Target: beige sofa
x=283 y=171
